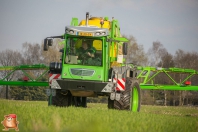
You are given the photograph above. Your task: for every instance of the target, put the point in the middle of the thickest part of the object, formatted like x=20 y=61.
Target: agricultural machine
x=106 y=73
x=93 y=63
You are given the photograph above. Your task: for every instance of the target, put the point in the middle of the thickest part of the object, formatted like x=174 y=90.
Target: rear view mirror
x=47 y=43
x=50 y=42
x=45 y=47
x=124 y=48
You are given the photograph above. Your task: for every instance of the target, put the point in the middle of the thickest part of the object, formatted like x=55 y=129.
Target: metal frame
x=23 y=68
x=147 y=74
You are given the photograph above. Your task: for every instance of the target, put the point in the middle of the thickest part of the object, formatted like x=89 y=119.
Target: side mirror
x=45 y=47
x=124 y=48
x=47 y=42
x=50 y=42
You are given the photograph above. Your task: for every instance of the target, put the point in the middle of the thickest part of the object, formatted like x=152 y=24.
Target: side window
x=97 y=44
x=71 y=57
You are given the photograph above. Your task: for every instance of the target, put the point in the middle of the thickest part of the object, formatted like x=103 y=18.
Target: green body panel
x=120 y=39
x=115 y=36
x=74 y=22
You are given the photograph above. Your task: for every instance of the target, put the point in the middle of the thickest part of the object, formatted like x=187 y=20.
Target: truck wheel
x=62 y=98
x=135 y=100
x=130 y=98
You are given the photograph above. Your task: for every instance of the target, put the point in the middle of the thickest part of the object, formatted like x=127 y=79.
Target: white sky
x=172 y=22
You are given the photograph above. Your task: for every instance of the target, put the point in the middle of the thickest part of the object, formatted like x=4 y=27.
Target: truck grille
x=81 y=72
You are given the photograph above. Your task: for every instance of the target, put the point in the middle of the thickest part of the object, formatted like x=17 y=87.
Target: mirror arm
x=61 y=37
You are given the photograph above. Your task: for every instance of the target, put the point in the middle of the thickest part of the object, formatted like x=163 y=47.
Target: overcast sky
x=172 y=22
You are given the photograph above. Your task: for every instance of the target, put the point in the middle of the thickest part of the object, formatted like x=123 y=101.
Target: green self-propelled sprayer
x=94 y=64
x=97 y=69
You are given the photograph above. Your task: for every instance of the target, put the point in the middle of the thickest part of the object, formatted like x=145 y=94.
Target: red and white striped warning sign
x=54 y=76
x=120 y=84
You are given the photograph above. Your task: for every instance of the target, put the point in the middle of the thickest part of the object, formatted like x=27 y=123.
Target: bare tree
x=31 y=53
x=136 y=52
x=155 y=57
x=165 y=62
x=9 y=58
x=187 y=60
x=155 y=53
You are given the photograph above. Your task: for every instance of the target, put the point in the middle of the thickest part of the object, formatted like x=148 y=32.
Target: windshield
x=84 y=51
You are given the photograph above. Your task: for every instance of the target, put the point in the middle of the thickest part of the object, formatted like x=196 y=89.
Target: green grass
x=37 y=116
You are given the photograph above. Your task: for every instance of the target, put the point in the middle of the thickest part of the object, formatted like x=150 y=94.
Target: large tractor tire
x=62 y=98
x=130 y=99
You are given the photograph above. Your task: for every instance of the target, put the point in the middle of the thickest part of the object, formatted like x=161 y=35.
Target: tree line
x=30 y=54
x=156 y=56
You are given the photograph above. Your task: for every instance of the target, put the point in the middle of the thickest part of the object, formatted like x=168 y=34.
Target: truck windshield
x=84 y=51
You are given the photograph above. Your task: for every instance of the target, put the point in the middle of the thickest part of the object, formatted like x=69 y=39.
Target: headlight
x=103 y=33
x=97 y=33
x=71 y=32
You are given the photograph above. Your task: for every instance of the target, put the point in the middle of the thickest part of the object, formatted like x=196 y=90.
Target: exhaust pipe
x=87 y=17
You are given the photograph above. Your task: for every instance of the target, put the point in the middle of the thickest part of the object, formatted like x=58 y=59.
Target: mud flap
x=50 y=92
x=115 y=96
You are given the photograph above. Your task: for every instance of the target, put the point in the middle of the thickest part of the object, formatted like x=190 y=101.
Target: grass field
x=37 y=116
